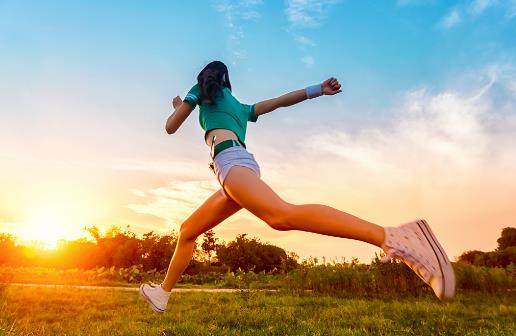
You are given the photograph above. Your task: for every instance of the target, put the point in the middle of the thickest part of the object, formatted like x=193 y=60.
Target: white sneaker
x=156 y=296
x=415 y=244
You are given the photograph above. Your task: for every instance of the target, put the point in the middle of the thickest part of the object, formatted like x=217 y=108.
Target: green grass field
x=69 y=311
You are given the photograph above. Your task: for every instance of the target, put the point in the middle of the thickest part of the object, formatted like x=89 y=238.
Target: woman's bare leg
x=248 y=190
x=212 y=212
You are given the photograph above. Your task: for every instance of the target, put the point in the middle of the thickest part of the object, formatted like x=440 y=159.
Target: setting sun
x=46 y=224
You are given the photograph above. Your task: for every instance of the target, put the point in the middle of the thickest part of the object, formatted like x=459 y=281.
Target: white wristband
x=314 y=91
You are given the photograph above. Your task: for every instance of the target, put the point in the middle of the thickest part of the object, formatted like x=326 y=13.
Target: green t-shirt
x=227 y=112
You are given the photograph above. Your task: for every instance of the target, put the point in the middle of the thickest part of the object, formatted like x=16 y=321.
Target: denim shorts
x=233 y=156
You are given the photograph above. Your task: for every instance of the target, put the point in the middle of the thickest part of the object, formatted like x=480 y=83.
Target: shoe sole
x=448 y=290
x=149 y=301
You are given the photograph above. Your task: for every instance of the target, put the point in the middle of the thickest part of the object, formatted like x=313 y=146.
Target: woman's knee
x=281 y=218
x=187 y=232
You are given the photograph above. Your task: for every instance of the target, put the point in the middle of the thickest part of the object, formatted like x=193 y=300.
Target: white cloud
x=250 y=15
x=307 y=13
x=452 y=19
x=250 y=3
x=406 y=3
x=175 y=201
x=137 y=192
x=234 y=10
x=234 y=13
x=432 y=131
x=511 y=9
x=477 y=7
x=512 y=87
x=308 y=61
x=239 y=54
x=227 y=9
x=303 y=40
x=176 y=168
x=448 y=134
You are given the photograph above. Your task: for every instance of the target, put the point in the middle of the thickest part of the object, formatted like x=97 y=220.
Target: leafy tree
x=291 y=262
x=503 y=256
x=116 y=248
x=157 y=250
x=125 y=250
x=79 y=253
x=472 y=257
x=8 y=250
x=209 y=244
x=94 y=232
x=250 y=254
x=508 y=238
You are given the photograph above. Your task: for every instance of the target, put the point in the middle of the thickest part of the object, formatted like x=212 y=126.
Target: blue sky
x=85 y=88
x=379 y=46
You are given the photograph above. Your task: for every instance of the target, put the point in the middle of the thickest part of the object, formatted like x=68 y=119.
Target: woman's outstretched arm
x=330 y=86
x=181 y=111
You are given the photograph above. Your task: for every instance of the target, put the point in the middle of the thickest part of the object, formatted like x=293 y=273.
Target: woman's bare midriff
x=220 y=135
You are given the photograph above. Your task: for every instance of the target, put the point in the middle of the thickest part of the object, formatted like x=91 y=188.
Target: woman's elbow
x=170 y=130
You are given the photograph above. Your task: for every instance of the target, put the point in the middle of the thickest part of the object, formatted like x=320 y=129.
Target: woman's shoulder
x=194 y=95
x=195 y=88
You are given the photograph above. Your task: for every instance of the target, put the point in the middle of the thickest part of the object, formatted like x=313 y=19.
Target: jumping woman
x=224 y=120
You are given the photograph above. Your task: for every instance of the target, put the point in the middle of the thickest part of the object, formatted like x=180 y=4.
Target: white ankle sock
x=165 y=292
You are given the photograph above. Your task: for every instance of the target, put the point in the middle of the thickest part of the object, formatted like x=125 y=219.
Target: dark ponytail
x=212 y=80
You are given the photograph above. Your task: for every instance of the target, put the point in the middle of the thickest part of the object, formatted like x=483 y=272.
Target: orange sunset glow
x=258 y=167
x=82 y=138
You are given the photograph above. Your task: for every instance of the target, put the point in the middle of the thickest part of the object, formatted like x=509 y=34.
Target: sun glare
x=46 y=225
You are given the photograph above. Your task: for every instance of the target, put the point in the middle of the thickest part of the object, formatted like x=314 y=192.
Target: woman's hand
x=176 y=102
x=176 y=119
x=331 y=86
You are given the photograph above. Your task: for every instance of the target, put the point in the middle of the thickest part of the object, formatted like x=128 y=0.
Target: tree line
x=123 y=248
x=502 y=256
